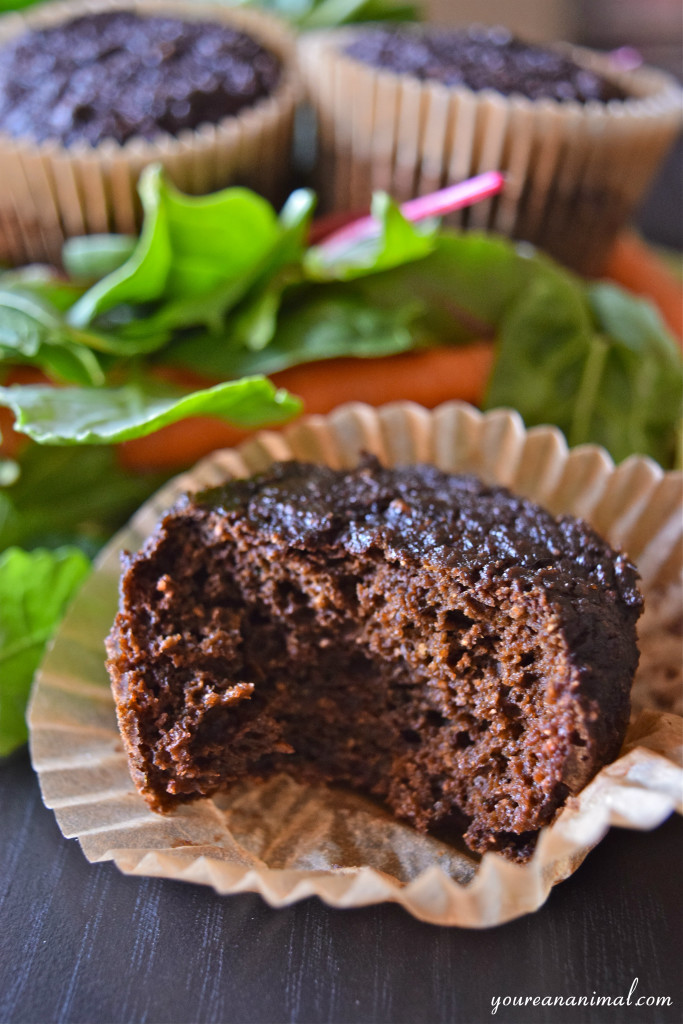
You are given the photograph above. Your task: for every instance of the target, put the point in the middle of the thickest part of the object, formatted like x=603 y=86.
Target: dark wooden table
x=81 y=942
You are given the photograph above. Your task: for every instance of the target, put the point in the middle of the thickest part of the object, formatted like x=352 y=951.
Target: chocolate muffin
x=412 y=109
x=442 y=645
x=482 y=58
x=91 y=93
x=116 y=74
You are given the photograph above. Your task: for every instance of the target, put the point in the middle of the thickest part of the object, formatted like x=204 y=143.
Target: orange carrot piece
x=428 y=377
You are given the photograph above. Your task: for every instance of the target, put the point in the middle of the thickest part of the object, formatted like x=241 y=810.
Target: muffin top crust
x=117 y=74
x=481 y=58
x=420 y=512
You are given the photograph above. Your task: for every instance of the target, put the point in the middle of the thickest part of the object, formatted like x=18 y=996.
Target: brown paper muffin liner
x=49 y=192
x=288 y=841
x=574 y=173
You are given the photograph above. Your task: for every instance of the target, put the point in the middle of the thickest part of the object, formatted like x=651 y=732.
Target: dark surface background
x=81 y=942
x=661 y=215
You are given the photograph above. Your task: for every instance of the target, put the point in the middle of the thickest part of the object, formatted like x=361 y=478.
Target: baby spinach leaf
x=189 y=246
x=110 y=415
x=395 y=242
x=632 y=321
x=307 y=14
x=328 y=13
x=267 y=272
x=323 y=327
x=32 y=332
x=644 y=373
x=43 y=283
x=92 y=257
x=67 y=494
x=35 y=589
x=143 y=276
x=594 y=361
x=543 y=342
x=339 y=324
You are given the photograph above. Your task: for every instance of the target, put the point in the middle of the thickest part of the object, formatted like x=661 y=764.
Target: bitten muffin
x=89 y=96
x=440 y=644
x=411 y=109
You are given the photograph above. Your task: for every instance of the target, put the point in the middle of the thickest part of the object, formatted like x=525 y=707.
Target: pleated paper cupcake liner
x=288 y=841
x=51 y=192
x=574 y=172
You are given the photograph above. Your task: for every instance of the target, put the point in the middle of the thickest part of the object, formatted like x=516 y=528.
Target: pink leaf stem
x=436 y=204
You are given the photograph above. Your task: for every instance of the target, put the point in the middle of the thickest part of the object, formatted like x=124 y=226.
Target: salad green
x=223 y=287
x=68 y=495
x=35 y=588
x=309 y=14
x=305 y=14
x=110 y=415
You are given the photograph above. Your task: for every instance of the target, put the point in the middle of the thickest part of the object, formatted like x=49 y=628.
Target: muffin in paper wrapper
x=51 y=192
x=574 y=172
x=287 y=840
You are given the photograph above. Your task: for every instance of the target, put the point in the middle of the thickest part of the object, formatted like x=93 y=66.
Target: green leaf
x=593 y=360
x=32 y=332
x=328 y=13
x=110 y=415
x=35 y=589
x=543 y=343
x=43 y=283
x=340 y=325
x=633 y=321
x=269 y=272
x=143 y=276
x=254 y=326
x=644 y=371
x=397 y=242
x=65 y=494
x=25 y=323
x=33 y=329
x=334 y=12
x=92 y=257
x=16 y=5
x=324 y=327
x=189 y=246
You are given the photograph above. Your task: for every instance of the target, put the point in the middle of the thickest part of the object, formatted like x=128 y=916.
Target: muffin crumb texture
x=118 y=75
x=482 y=58
x=441 y=645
